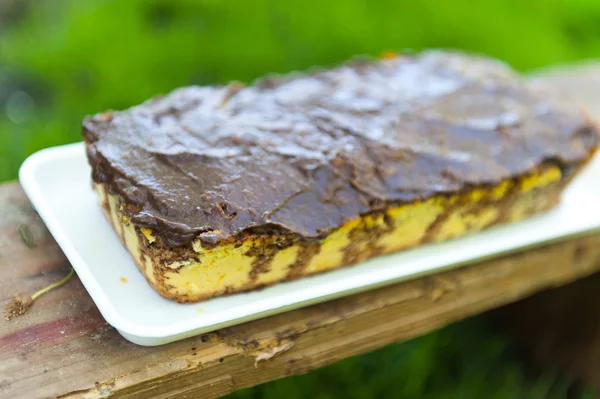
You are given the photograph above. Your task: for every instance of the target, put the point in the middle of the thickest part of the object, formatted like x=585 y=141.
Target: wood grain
x=64 y=348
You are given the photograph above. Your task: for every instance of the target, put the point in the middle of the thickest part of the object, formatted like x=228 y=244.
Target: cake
x=222 y=189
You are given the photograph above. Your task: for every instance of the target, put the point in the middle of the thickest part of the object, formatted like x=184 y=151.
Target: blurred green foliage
x=63 y=59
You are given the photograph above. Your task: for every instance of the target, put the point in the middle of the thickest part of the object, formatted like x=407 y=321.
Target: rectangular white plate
x=57 y=180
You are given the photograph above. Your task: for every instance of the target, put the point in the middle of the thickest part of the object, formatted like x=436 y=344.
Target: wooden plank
x=63 y=347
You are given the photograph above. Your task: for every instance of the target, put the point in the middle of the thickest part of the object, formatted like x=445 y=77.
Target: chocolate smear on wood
x=26 y=235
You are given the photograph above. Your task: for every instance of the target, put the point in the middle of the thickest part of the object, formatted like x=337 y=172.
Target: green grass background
x=75 y=57
x=63 y=59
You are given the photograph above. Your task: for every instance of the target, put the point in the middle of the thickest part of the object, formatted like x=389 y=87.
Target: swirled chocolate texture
x=305 y=153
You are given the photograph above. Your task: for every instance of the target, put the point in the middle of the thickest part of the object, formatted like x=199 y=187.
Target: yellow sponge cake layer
x=195 y=272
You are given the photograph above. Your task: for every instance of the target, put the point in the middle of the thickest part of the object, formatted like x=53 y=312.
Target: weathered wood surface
x=63 y=347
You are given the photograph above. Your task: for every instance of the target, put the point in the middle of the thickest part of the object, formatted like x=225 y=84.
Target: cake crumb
x=123 y=279
x=200 y=310
x=387 y=55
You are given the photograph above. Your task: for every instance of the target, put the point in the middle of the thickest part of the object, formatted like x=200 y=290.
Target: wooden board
x=63 y=347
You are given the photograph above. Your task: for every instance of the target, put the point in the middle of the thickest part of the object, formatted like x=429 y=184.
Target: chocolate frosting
x=305 y=153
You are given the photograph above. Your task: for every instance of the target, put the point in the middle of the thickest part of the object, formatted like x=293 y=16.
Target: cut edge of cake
x=253 y=260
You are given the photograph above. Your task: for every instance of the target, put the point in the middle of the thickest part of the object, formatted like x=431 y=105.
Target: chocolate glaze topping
x=305 y=153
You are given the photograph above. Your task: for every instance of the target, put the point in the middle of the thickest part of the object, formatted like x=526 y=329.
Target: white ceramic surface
x=57 y=180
